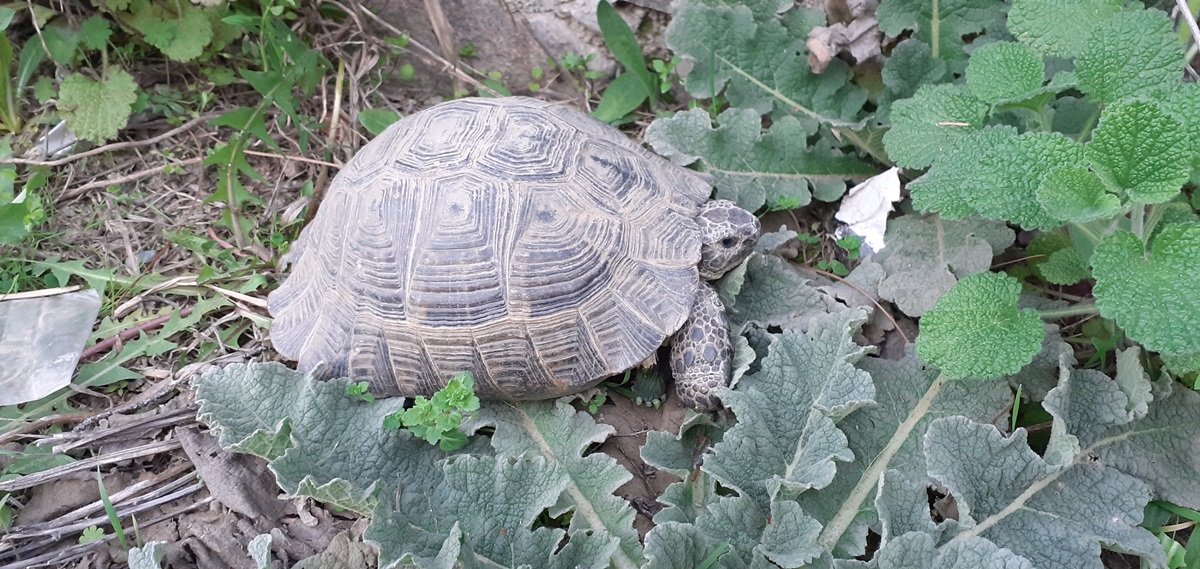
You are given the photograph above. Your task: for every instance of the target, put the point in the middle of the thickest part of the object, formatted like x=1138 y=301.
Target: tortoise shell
x=527 y=243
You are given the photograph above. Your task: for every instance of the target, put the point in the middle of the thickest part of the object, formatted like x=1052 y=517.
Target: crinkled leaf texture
x=932 y=123
x=429 y=507
x=829 y=444
x=96 y=110
x=752 y=167
x=748 y=49
x=1004 y=71
x=927 y=255
x=946 y=21
x=1140 y=150
x=1131 y=54
x=976 y=329
x=1155 y=297
x=1058 y=27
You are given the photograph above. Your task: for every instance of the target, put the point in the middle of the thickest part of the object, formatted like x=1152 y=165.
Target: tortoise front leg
x=701 y=352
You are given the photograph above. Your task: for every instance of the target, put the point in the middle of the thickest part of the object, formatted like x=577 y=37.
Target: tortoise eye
x=727 y=242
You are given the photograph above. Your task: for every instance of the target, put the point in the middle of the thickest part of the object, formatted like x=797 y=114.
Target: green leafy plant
x=1106 y=188
x=829 y=444
x=92 y=533
x=636 y=86
x=436 y=420
x=361 y=391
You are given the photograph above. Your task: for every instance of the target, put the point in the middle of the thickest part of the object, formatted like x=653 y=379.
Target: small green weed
x=436 y=420
x=91 y=533
x=360 y=391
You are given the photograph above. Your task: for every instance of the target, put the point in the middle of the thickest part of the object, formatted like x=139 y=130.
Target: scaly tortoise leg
x=702 y=353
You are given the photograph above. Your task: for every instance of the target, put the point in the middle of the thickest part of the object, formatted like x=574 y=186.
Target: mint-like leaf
x=1016 y=168
x=1064 y=267
x=1155 y=298
x=1132 y=54
x=1058 y=28
x=958 y=176
x=1141 y=150
x=1003 y=71
x=931 y=123
x=1073 y=194
x=96 y=110
x=975 y=330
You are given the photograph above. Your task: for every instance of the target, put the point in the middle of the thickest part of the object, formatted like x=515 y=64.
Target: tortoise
x=530 y=244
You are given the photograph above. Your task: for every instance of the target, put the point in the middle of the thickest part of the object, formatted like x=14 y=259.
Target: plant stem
x=1153 y=217
x=870 y=479
x=1077 y=310
x=1137 y=219
x=1086 y=131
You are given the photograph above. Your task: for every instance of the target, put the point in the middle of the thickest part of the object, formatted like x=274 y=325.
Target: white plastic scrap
x=866 y=207
x=41 y=339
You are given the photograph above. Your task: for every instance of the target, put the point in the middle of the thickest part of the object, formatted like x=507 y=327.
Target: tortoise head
x=728 y=234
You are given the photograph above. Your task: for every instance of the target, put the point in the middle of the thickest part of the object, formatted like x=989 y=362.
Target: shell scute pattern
x=528 y=243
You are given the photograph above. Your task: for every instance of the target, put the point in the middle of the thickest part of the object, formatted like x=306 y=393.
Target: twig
x=444 y=33
x=296 y=158
x=1190 y=19
x=424 y=52
x=112 y=147
x=87 y=464
x=78 y=191
x=38 y=425
x=39 y=293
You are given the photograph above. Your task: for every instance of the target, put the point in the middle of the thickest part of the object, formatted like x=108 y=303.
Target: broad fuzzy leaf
x=1074 y=194
x=913 y=550
x=289 y=418
x=1055 y=516
x=1058 y=28
x=1004 y=71
x=976 y=330
x=958 y=176
x=769 y=292
x=785 y=440
x=932 y=123
x=1131 y=54
x=736 y=47
x=752 y=167
x=940 y=24
x=1016 y=168
x=1119 y=425
x=556 y=431
x=1156 y=297
x=430 y=503
x=1140 y=150
x=493 y=501
x=96 y=110
x=899 y=388
x=927 y=255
